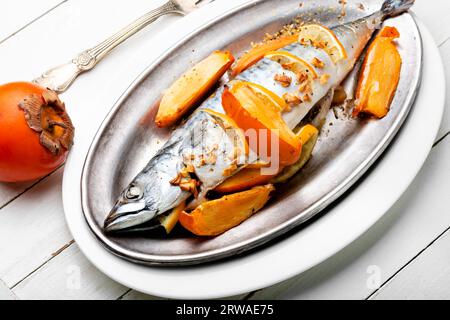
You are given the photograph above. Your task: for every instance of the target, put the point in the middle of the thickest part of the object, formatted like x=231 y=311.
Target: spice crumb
x=283 y=79
x=307 y=98
x=291 y=99
x=324 y=79
x=316 y=62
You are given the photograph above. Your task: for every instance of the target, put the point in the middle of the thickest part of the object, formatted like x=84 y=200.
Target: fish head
x=148 y=196
x=130 y=209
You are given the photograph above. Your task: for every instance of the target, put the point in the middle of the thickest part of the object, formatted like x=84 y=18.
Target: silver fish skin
x=152 y=194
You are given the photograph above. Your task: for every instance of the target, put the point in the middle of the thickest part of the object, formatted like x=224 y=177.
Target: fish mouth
x=127 y=215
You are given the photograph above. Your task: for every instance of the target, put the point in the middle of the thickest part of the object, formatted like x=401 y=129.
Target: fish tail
x=395 y=7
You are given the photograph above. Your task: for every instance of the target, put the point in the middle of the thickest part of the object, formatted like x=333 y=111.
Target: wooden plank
x=432 y=14
x=416 y=219
x=10 y=191
x=5 y=292
x=31 y=230
x=445 y=53
x=135 y=295
x=238 y=297
x=426 y=277
x=17 y=14
x=70 y=276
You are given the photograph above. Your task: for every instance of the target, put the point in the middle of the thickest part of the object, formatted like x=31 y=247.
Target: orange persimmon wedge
x=380 y=75
x=169 y=221
x=308 y=134
x=252 y=176
x=258 y=164
x=191 y=87
x=243 y=180
x=258 y=52
x=251 y=112
x=217 y=216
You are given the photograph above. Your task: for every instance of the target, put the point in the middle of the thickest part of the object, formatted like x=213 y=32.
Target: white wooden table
x=405 y=255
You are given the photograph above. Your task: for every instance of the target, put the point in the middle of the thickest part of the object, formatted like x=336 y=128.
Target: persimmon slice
x=275 y=99
x=244 y=180
x=217 y=216
x=308 y=134
x=251 y=177
x=251 y=112
x=257 y=53
x=191 y=87
x=380 y=75
x=169 y=221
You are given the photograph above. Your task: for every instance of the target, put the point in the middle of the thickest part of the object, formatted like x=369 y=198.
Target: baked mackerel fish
x=153 y=194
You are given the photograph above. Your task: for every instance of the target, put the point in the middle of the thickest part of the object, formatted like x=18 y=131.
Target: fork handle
x=61 y=77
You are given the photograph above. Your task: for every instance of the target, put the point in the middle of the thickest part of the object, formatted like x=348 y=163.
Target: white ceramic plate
x=333 y=231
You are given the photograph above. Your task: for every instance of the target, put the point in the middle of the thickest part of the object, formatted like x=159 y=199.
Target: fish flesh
x=164 y=183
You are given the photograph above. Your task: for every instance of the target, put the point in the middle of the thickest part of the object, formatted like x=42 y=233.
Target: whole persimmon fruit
x=35 y=132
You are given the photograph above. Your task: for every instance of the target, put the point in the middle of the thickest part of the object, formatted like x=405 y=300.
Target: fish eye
x=134 y=192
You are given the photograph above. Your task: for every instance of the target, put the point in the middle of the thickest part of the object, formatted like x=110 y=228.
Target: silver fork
x=61 y=77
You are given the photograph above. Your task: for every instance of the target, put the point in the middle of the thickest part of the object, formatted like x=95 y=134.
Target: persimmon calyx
x=46 y=114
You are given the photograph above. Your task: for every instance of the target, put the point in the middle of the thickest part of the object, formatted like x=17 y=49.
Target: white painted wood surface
x=32 y=230
x=5 y=292
x=37 y=256
x=413 y=283
x=70 y=276
x=18 y=14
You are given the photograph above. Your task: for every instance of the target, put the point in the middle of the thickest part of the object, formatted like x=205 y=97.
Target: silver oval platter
x=347 y=148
